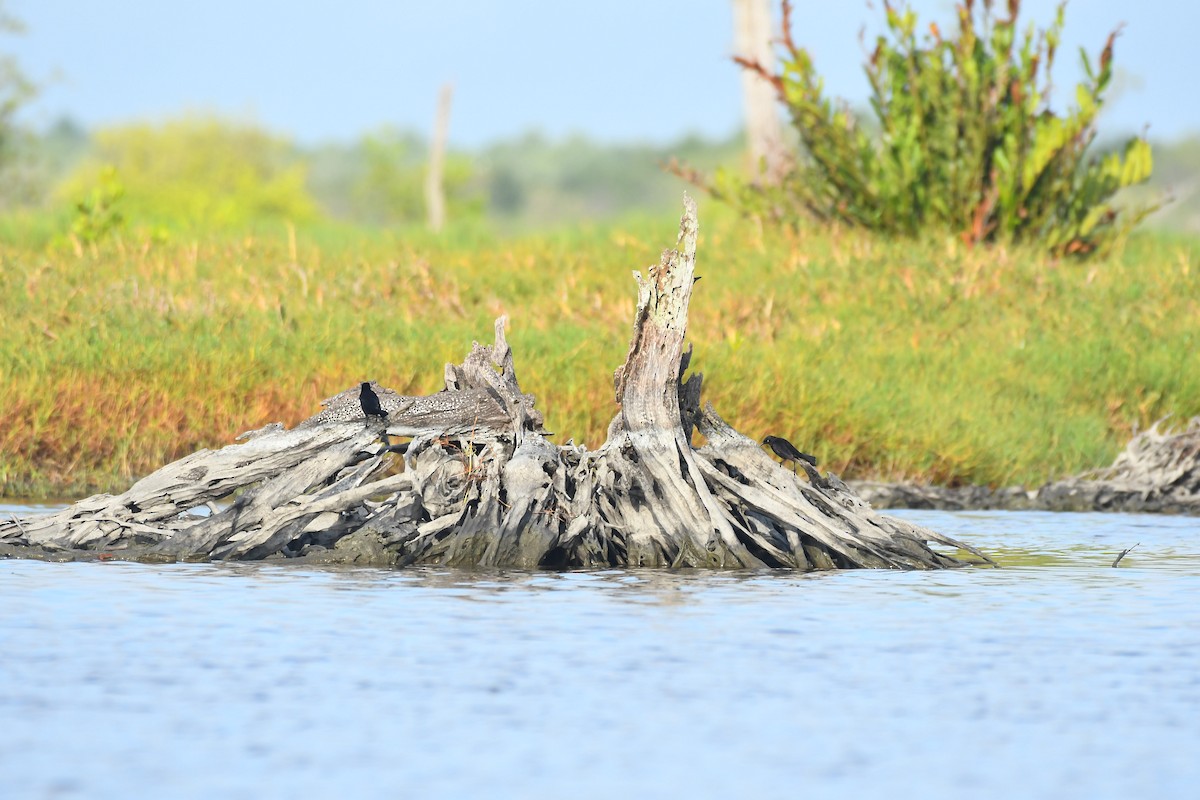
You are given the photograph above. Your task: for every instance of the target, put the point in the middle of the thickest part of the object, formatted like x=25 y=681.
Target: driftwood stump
x=468 y=477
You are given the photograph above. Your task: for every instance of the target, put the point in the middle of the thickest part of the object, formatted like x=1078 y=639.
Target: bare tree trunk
x=764 y=131
x=477 y=482
x=435 y=190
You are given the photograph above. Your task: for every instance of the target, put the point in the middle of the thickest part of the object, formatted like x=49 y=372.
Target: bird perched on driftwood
x=787 y=451
x=370 y=402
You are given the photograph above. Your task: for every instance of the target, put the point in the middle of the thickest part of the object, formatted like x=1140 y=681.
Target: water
x=1057 y=677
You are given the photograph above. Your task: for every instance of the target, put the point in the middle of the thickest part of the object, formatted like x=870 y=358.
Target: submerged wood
x=469 y=477
x=1157 y=472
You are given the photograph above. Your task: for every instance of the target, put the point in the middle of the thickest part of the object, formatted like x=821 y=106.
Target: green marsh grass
x=885 y=359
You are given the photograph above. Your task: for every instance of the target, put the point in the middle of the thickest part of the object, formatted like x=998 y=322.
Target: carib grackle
x=787 y=451
x=370 y=402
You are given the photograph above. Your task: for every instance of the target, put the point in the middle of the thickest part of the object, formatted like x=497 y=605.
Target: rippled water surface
x=1057 y=676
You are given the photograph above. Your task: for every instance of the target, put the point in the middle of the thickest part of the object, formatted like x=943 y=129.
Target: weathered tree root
x=477 y=483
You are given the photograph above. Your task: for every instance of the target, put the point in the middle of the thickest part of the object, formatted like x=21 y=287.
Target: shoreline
x=1064 y=496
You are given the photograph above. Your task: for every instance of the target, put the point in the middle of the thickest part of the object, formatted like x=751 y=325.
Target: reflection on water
x=1057 y=676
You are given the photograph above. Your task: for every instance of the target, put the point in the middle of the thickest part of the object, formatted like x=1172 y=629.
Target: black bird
x=370 y=402
x=787 y=451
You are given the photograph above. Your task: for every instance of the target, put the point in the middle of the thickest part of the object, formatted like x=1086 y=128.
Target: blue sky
x=617 y=70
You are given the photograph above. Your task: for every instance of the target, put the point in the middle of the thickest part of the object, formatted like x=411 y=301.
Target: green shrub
x=198 y=174
x=97 y=215
x=965 y=139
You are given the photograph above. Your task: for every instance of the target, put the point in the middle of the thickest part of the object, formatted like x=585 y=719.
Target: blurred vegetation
x=97 y=216
x=379 y=180
x=963 y=140
x=205 y=174
x=196 y=174
x=532 y=182
x=1176 y=177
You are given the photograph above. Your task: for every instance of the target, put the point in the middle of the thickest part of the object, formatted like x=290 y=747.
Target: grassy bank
x=885 y=359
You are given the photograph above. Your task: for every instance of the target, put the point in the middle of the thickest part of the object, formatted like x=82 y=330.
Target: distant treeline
x=200 y=172
x=206 y=172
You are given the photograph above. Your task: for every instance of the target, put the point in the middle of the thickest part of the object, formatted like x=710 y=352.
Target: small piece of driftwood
x=469 y=477
x=1124 y=553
